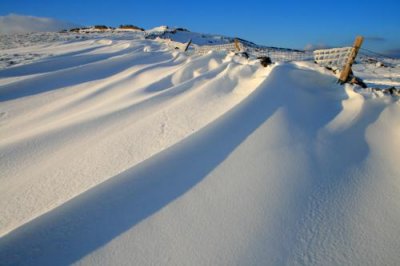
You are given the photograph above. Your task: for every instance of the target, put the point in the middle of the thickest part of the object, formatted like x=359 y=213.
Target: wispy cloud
x=14 y=23
x=313 y=46
x=375 y=39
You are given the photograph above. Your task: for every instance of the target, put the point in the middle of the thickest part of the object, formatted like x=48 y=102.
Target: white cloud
x=312 y=47
x=14 y=23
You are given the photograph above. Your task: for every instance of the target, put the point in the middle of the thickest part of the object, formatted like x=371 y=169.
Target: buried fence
x=279 y=55
x=333 y=58
x=204 y=49
x=338 y=58
x=275 y=54
x=173 y=44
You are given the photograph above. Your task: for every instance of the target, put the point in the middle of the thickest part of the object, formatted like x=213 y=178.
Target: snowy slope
x=120 y=151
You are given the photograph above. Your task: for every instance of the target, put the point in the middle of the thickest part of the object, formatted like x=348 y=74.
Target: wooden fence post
x=237 y=45
x=188 y=44
x=344 y=75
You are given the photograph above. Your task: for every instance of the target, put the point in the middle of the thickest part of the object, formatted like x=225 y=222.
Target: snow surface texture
x=121 y=151
x=381 y=74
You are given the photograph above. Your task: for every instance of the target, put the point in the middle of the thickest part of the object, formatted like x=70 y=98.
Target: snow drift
x=122 y=151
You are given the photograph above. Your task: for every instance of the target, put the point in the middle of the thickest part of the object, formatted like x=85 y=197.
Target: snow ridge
x=119 y=150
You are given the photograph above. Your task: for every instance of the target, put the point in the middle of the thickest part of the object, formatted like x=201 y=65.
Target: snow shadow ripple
x=92 y=219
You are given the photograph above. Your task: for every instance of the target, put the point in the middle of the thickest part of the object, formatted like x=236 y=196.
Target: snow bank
x=121 y=151
x=120 y=100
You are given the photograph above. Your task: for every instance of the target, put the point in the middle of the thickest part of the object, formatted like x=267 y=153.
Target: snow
x=183 y=36
x=379 y=74
x=115 y=149
x=158 y=29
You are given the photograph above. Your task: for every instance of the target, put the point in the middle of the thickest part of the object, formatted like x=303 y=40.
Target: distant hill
x=14 y=23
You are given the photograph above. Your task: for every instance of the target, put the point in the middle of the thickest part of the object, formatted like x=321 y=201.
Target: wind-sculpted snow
x=127 y=153
x=75 y=127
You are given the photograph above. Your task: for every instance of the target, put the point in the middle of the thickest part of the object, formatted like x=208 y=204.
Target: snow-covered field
x=115 y=149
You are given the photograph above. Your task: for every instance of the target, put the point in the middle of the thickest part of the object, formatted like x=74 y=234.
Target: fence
x=221 y=48
x=334 y=58
x=279 y=55
x=172 y=44
x=342 y=58
x=339 y=58
x=276 y=54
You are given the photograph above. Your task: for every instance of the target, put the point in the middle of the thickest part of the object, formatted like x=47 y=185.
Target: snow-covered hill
x=17 y=24
x=116 y=149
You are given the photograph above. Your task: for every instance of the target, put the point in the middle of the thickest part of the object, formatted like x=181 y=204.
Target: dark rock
x=265 y=61
x=182 y=29
x=393 y=91
x=359 y=82
x=100 y=27
x=132 y=27
x=244 y=54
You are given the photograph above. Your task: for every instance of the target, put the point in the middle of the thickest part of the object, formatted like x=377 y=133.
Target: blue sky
x=293 y=24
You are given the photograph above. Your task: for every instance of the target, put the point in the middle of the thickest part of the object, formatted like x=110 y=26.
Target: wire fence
x=279 y=55
x=275 y=54
x=333 y=58
x=372 y=57
x=375 y=54
x=382 y=65
x=220 y=48
x=172 y=44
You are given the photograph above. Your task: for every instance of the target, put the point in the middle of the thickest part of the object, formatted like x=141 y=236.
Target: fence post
x=188 y=44
x=344 y=75
x=237 y=45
